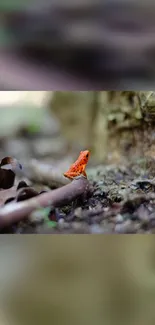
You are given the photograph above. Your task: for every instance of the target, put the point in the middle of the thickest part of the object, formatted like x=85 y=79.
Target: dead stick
x=44 y=174
x=15 y=212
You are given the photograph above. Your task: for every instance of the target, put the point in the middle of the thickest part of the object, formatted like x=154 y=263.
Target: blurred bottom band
x=80 y=280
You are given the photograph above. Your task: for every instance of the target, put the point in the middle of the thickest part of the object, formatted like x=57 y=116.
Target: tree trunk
x=113 y=125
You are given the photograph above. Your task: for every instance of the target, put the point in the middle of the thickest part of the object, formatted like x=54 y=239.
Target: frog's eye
x=87 y=155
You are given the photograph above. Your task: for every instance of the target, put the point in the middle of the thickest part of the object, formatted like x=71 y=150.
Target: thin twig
x=44 y=174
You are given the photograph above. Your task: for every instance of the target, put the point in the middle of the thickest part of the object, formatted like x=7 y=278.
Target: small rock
x=141 y=231
x=76 y=225
x=62 y=224
x=61 y=221
x=36 y=217
x=108 y=227
x=100 y=183
x=143 y=214
x=119 y=218
x=96 y=229
x=99 y=192
x=78 y=213
x=127 y=227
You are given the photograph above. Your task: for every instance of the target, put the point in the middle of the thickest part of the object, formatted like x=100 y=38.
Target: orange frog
x=78 y=168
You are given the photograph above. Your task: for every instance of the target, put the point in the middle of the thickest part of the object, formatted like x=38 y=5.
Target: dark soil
x=121 y=199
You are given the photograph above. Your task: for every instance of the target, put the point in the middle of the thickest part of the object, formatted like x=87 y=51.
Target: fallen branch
x=15 y=212
x=44 y=174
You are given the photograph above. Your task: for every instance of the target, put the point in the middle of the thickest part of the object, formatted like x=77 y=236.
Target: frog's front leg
x=84 y=173
x=71 y=175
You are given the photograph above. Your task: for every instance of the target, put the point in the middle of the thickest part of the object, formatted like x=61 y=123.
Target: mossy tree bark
x=113 y=124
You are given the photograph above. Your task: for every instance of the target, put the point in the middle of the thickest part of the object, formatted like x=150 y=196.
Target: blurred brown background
x=77 y=46
x=78 y=279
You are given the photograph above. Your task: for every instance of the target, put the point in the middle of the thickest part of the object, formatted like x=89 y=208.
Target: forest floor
x=118 y=198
